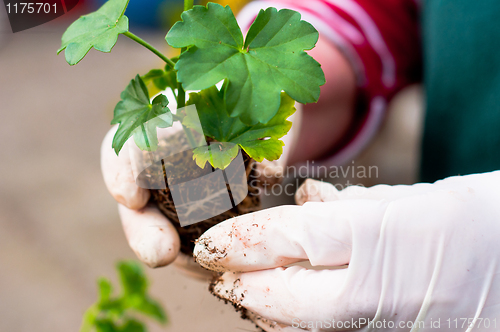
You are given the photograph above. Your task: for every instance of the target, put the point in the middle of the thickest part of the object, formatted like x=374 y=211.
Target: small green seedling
x=119 y=313
x=263 y=75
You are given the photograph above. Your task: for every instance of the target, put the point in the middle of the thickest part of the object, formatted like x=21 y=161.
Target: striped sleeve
x=381 y=40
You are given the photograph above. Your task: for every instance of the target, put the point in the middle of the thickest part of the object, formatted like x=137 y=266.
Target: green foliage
x=259 y=141
x=270 y=60
x=157 y=80
x=113 y=314
x=219 y=154
x=263 y=74
x=99 y=29
x=139 y=117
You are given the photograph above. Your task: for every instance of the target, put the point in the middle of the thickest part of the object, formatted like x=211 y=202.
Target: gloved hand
x=150 y=234
x=159 y=246
x=423 y=256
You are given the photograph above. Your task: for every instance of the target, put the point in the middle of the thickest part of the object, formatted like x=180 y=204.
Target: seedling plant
x=121 y=313
x=262 y=74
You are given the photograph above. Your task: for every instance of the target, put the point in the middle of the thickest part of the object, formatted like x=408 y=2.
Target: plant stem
x=188 y=4
x=181 y=94
x=190 y=137
x=150 y=47
x=181 y=102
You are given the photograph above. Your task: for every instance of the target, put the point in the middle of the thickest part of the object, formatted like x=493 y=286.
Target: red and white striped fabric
x=381 y=40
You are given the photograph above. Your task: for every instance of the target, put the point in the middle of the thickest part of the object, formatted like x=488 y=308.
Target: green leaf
x=105 y=325
x=260 y=141
x=151 y=308
x=139 y=117
x=114 y=306
x=212 y=26
x=152 y=75
x=105 y=289
x=213 y=116
x=158 y=80
x=99 y=29
x=132 y=325
x=275 y=128
x=219 y=155
x=113 y=314
x=271 y=60
x=132 y=278
x=270 y=149
x=89 y=318
x=129 y=325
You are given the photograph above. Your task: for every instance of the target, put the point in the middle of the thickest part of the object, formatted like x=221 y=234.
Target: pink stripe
x=325 y=13
x=317 y=9
x=373 y=36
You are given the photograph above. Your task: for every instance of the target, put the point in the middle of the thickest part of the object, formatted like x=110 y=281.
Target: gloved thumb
x=318 y=232
x=319 y=191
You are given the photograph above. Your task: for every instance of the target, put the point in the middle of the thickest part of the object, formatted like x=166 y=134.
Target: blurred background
x=59 y=228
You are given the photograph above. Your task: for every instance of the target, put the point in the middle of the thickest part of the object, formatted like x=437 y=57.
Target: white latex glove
x=425 y=255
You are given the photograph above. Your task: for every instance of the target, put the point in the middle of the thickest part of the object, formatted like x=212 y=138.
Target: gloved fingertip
x=211 y=248
x=150 y=235
x=252 y=242
x=159 y=259
x=315 y=191
x=119 y=176
x=133 y=197
x=228 y=287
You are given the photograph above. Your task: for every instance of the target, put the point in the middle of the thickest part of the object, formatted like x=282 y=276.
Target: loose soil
x=185 y=169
